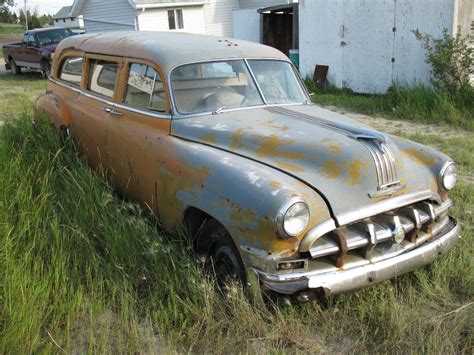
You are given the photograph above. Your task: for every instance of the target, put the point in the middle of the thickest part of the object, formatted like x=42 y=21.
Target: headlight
x=448 y=176
x=293 y=217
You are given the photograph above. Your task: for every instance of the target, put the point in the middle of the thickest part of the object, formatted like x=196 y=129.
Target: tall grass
x=419 y=104
x=82 y=270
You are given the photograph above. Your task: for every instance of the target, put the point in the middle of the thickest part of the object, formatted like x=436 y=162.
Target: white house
x=213 y=17
x=65 y=19
x=369 y=45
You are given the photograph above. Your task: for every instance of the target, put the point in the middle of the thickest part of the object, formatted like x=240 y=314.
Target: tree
x=33 y=20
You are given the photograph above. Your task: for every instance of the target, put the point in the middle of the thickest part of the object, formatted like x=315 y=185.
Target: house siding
x=110 y=15
x=218 y=17
x=157 y=19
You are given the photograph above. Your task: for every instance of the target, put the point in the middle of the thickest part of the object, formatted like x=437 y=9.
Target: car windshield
x=53 y=36
x=215 y=86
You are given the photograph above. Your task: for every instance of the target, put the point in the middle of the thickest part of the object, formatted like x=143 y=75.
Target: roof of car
x=168 y=49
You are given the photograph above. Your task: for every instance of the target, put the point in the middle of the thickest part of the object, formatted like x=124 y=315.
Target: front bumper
x=308 y=284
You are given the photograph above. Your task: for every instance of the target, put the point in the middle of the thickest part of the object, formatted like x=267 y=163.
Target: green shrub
x=451 y=59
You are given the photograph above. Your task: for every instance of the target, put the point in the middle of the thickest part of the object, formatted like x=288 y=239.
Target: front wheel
x=224 y=261
x=46 y=68
x=16 y=70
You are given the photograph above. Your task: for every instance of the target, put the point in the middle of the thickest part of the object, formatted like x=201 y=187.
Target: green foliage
x=451 y=59
x=33 y=19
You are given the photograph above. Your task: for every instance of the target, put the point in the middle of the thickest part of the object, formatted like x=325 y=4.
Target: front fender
x=243 y=195
x=422 y=165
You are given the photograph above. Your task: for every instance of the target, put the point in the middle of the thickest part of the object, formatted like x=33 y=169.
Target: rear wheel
x=16 y=70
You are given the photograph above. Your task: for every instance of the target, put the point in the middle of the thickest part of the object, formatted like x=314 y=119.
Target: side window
x=71 y=70
x=145 y=89
x=102 y=77
x=31 y=41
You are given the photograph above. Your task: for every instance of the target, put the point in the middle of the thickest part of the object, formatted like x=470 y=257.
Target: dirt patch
x=397 y=126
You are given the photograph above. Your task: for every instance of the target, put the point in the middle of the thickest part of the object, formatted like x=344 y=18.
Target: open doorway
x=279 y=27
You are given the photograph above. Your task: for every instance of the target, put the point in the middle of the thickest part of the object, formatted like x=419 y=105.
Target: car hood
x=49 y=48
x=329 y=152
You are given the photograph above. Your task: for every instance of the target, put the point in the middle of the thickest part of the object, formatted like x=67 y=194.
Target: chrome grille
x=382 y=236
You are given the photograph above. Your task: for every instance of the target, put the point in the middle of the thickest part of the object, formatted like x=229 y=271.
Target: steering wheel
x=274 y=90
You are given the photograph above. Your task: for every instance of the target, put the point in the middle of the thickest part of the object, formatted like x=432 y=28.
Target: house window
x=64 y=20
x=175 y=19
x=145 y=89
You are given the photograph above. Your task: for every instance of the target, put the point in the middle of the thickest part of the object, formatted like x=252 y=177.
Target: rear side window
x=71 y=70
x=145 y=89
x=102 y=77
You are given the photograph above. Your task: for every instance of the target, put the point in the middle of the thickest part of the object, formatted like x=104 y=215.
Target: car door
x=32 y=52
x=95 y=106
x=136 y=135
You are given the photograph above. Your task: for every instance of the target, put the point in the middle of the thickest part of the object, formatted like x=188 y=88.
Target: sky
x=43 y=6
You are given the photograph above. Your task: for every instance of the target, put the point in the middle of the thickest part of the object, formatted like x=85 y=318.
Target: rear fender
x=54 y=109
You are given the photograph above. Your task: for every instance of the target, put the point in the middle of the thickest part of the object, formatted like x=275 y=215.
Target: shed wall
x=110 y=15
x=246 y=23
x=359 y=38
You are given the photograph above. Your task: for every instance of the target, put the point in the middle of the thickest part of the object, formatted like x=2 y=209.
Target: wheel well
x=195 y=219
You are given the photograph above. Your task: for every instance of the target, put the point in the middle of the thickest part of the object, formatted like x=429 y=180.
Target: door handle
x=112 y=112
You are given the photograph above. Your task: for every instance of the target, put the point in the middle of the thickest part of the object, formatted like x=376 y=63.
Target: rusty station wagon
x=220 y=135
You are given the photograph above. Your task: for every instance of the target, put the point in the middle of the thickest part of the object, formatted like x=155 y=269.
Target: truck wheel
x=224 y=261
x=46 y=68
x=16 y=70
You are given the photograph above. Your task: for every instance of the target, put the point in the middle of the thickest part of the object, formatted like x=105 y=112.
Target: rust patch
x=334 y=148
x=291 y=167
x=420 y=156
x=354 y=171
x=271 y=147
x=272 y=124
x=331 y=169
x=209 y=138
x=237 y=142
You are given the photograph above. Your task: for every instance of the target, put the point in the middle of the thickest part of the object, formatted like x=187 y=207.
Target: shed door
x=367 y=40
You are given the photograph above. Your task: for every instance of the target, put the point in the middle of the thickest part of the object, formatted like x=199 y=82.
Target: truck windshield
x=215 y=86
x=53 y=36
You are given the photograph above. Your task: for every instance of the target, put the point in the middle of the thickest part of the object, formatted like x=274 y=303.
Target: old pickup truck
x=35 y=51
x=220 y=136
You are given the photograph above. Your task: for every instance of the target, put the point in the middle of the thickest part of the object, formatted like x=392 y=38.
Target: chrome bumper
x=305 y=284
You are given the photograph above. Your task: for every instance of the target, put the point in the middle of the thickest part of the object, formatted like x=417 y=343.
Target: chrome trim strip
x=384 y=206
x=259 y=89
x=315 y=233
x=338 y=281
x=108 y=102
x=349 y=131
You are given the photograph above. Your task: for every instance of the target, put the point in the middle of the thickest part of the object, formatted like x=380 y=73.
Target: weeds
x=418 y=104
x=84 y=271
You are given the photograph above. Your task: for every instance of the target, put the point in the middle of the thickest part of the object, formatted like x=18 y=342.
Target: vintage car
x=220 y=135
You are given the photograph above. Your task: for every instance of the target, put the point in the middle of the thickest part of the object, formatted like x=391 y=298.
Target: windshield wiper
x=219 y=110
